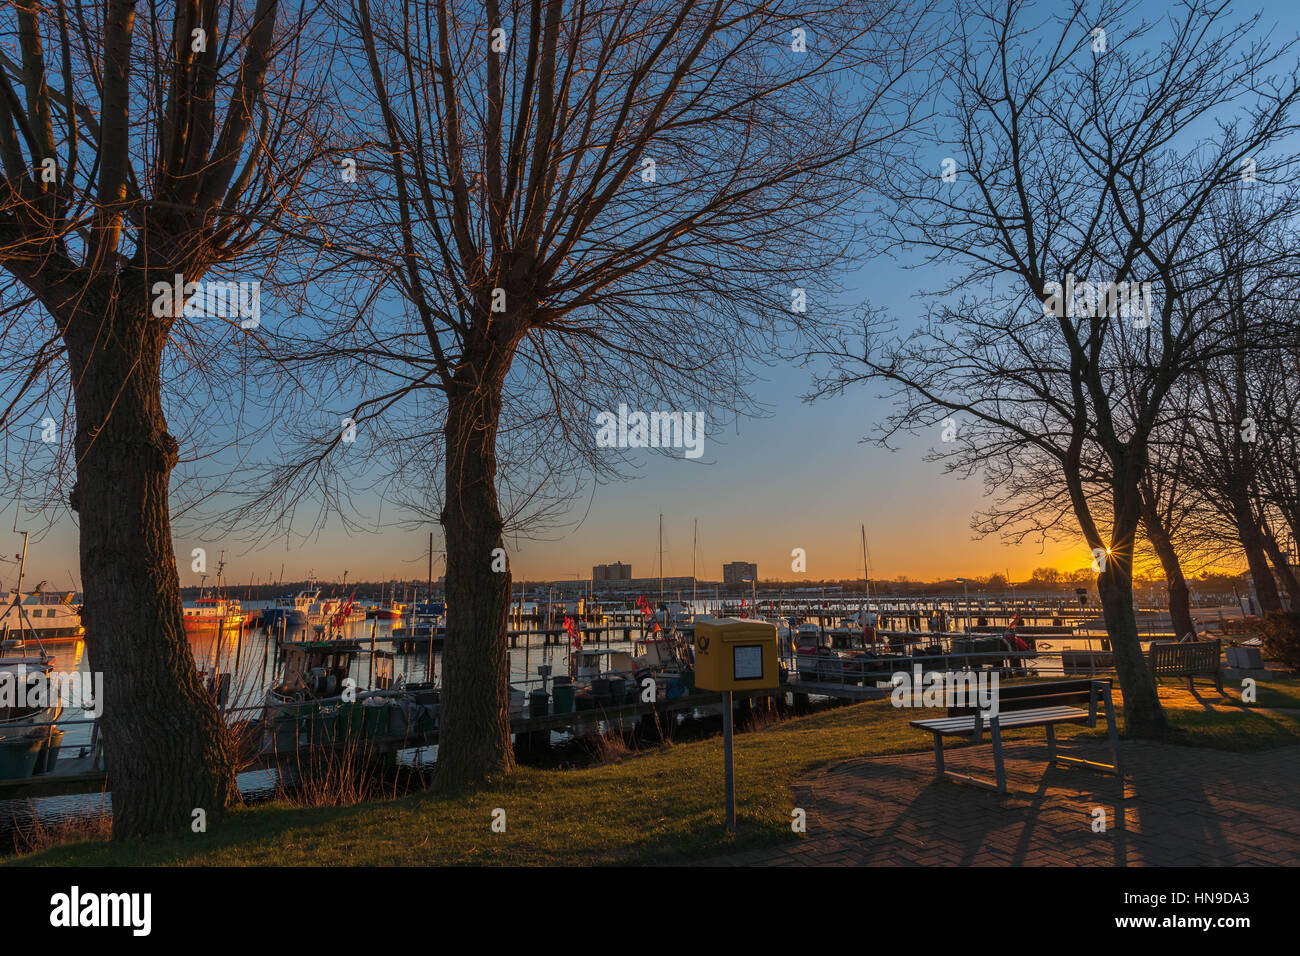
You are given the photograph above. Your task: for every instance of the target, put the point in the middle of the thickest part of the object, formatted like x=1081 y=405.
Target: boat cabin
x=316 y=668
x=592 y=662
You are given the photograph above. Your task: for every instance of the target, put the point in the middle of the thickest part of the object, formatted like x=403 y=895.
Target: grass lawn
x=655 y=806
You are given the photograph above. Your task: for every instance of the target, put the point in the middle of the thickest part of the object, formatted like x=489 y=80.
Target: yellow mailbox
x=735 y=654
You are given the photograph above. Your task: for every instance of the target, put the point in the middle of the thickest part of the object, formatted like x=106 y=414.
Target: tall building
x=739 y=572
x=618 y=571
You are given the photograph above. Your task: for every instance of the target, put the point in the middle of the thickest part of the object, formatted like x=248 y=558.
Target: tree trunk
x=164 y=740
x=1143 y=715
x=474 y=721
x=1253 y=543
x=1283 y=568
x=1180 y=604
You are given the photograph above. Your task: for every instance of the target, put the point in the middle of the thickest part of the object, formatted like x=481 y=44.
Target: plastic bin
x=562 y=698
x=18 y=756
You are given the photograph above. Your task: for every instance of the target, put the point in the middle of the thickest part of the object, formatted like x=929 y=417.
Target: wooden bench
x=1040 y=704
x=1186 y=659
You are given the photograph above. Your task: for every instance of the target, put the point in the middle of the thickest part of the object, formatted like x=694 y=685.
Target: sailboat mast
x=694 y=544
x=866 y=566
x=22 y=563
x=661 y=558
x=18 y=594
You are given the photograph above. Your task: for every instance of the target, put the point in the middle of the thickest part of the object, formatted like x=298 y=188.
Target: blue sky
x=797 y=478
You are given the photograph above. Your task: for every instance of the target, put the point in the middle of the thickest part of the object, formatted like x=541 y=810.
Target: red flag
x=573 y=631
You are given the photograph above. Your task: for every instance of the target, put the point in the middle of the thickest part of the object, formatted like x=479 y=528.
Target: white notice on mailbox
x=747 y=662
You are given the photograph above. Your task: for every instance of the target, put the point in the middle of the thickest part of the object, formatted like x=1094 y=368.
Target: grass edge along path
x=660 y=805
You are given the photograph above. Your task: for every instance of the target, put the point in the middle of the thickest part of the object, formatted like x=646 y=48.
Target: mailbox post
x=731 y=655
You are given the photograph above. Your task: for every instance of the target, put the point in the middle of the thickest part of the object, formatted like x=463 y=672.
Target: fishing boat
x=42 y=617
x=208 y=614
x=311 y=702
x=388 y=609
x=213 y=611
x=392 y=611
x=616 y=677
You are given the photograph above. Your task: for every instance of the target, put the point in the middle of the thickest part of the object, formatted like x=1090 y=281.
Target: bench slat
x=1017 y=718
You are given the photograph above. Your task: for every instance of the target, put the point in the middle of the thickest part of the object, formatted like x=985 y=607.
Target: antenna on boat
x=18 y=599
x=694 y=544
x=661 y=558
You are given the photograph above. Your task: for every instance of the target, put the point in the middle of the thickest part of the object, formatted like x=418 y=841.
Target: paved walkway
x=1185 y=807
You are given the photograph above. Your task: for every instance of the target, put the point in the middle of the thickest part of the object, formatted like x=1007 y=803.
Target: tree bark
x=1252 y=541
x=474 y=721
x=164 y=740
x=1180 y=603
x=1143 y=715
x=1283 y=568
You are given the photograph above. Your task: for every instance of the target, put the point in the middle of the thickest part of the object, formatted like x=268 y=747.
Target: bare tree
x=576 y=206
x=1279 y=471
x=1169 y=497
x=1083 y=169
x=138 y=148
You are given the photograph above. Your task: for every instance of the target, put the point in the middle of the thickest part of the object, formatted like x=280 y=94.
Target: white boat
x=29 y=706
x=42 y=617
x=291 y=611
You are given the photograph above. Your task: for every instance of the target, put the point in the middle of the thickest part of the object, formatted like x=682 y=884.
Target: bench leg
x=996 y=733
x=938 y=755
x=1051 y=745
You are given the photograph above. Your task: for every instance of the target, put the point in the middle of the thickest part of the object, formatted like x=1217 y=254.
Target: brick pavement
x=1185 y=806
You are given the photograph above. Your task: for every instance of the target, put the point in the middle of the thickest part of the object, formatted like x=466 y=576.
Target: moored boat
x=212 y=614
x=312 y=703
x=291 y=611
x=29 y=706
x=42 y=617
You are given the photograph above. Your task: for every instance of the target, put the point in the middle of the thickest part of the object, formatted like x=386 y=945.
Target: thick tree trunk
x=1180 y=604
x=474 y=722
x=1143 y=715
x=1253 y=542
x=1283 y=568
x=164 y=740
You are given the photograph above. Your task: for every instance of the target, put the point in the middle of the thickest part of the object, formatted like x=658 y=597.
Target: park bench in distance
x=1041 y=704
x=1186 y=659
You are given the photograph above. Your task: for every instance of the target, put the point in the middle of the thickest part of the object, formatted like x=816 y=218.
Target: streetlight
x=753 y=593
x=966 y=600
